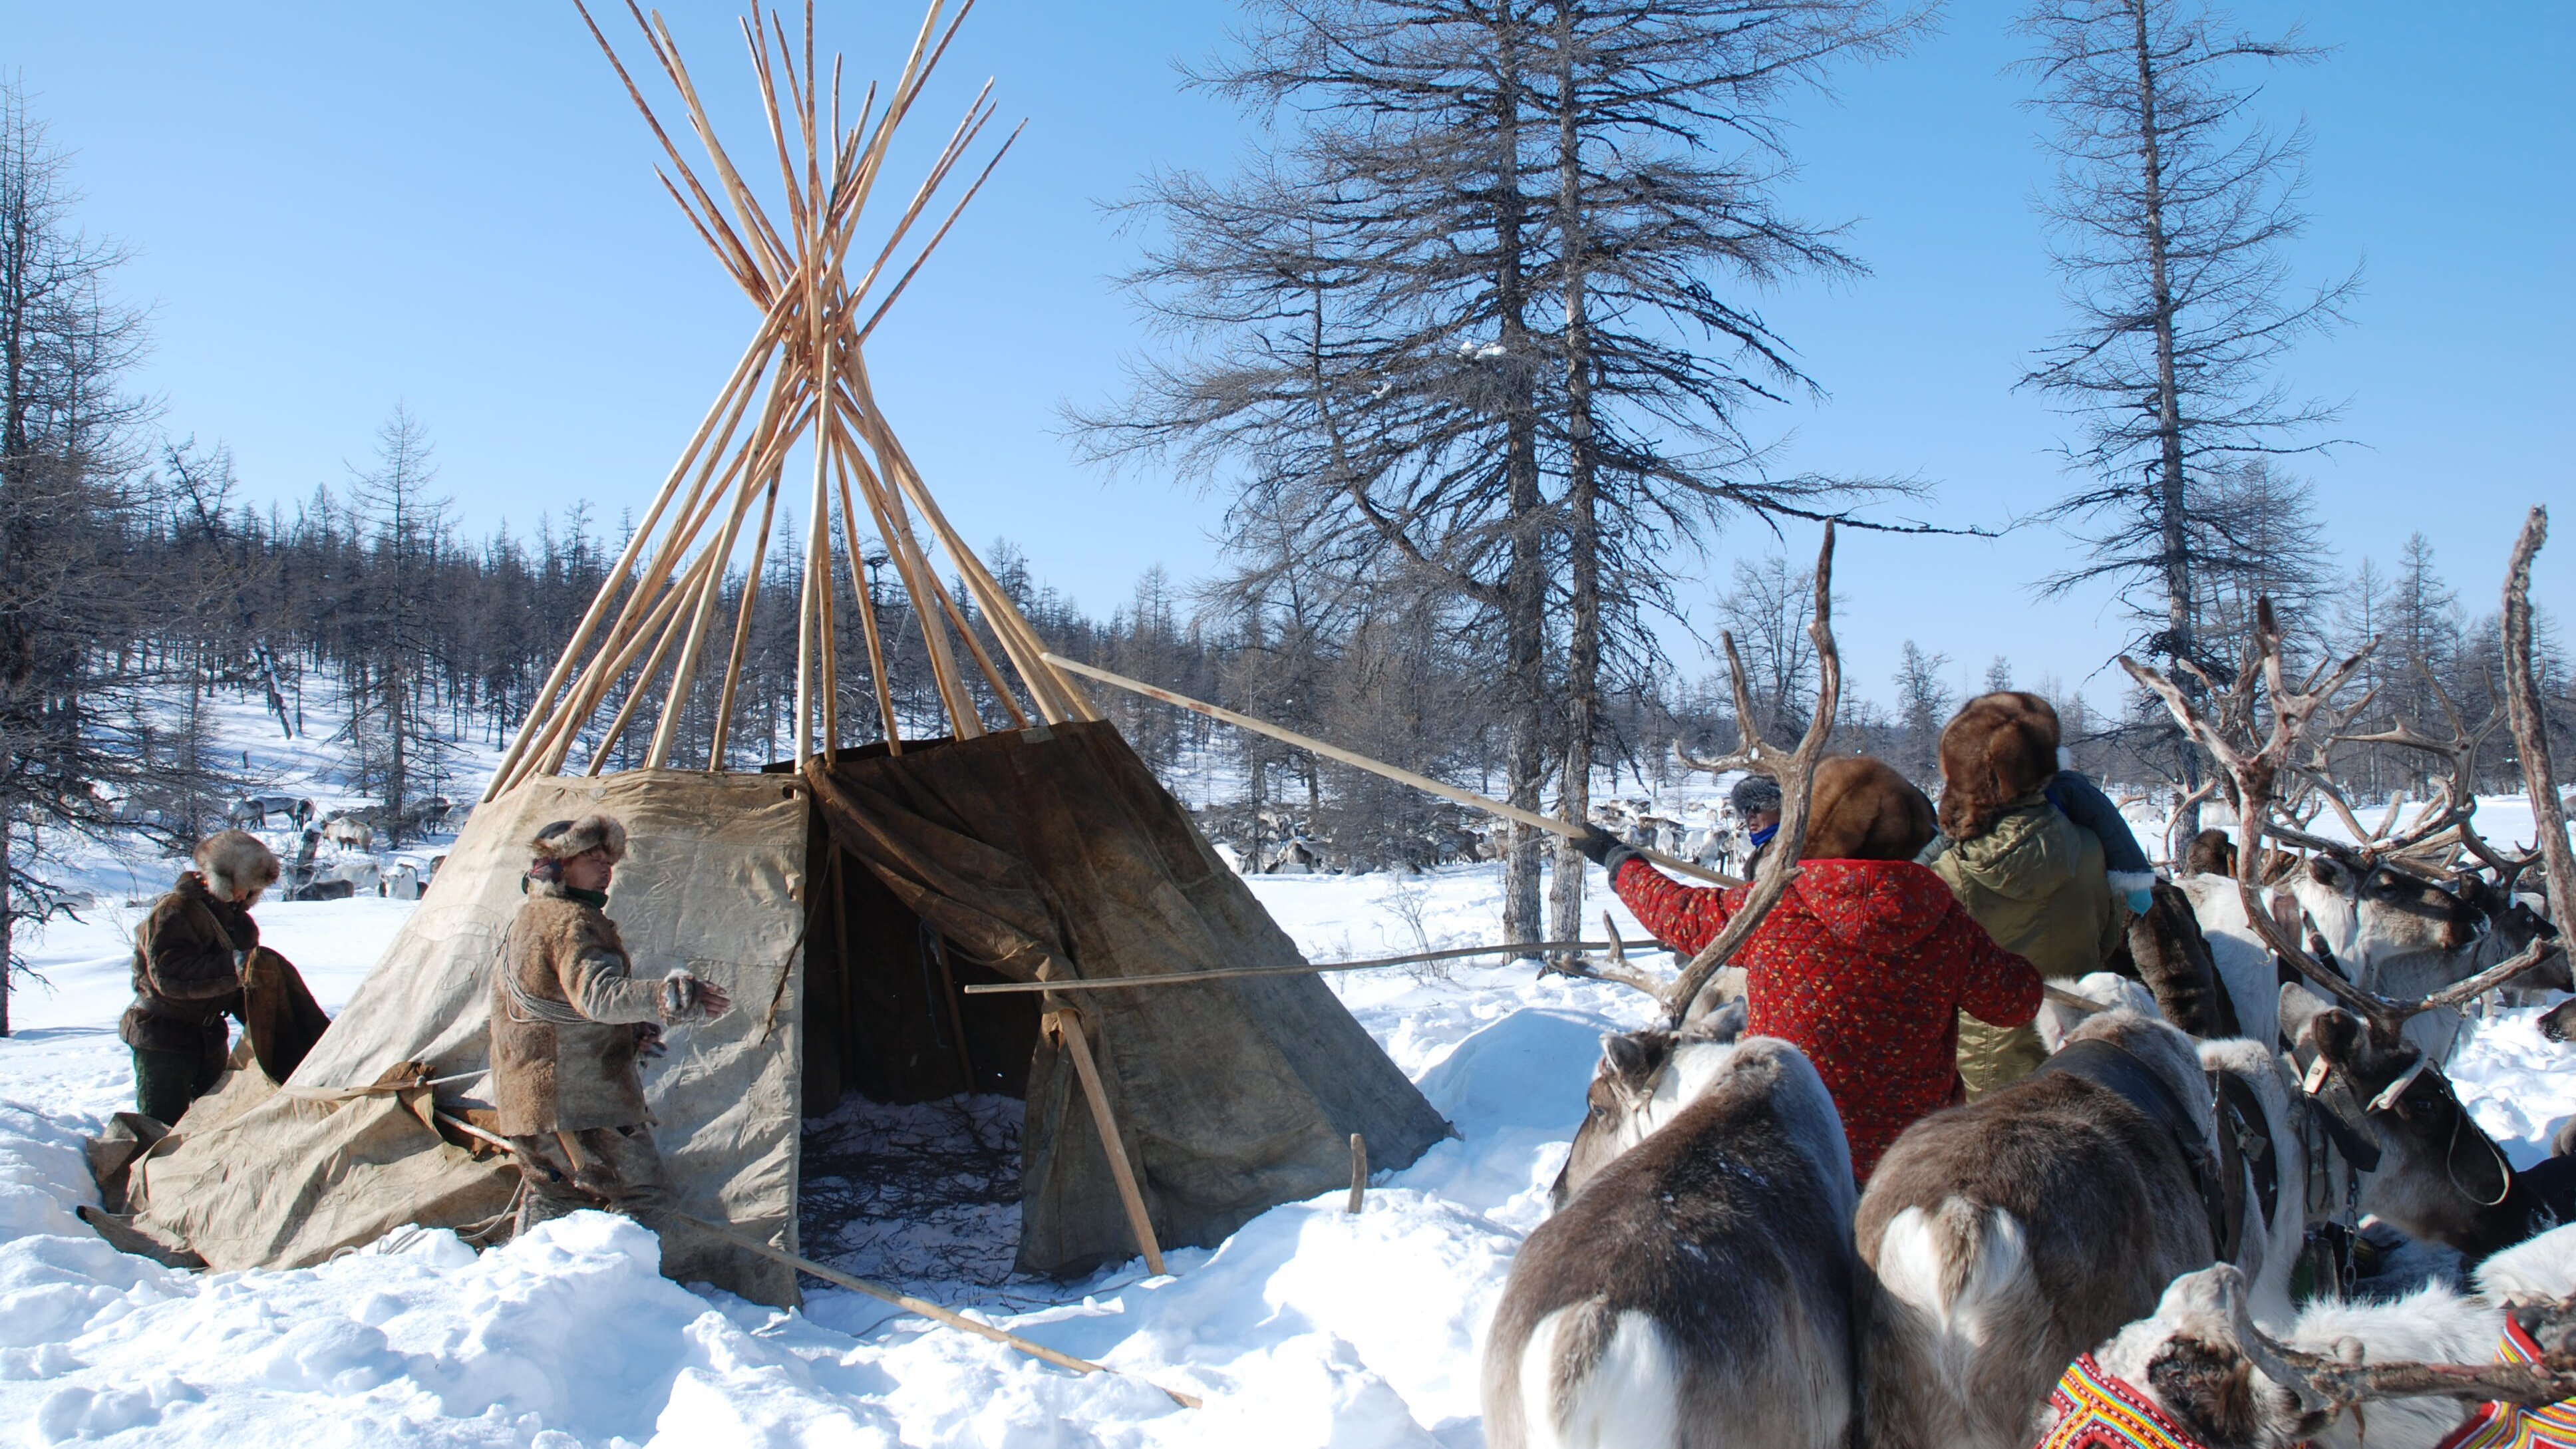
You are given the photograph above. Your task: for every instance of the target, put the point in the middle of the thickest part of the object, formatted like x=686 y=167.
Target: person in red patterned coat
x=1864 y=964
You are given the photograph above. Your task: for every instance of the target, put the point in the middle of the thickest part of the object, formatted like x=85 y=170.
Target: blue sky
x=334 y=208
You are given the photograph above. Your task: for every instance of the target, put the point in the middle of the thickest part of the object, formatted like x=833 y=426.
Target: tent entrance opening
x=910 y=1155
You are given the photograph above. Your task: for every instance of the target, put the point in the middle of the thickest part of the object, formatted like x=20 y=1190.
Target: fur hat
x=565 y=839
x=1754 y=795
x=1998 y=748
x=235 y=861
x=1862 y=809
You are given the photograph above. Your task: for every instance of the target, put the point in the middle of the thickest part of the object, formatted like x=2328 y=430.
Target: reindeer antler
x=1794 y=769
x=2530 y=724
x=2457 y=805
x=2319 y=1382
x=2255 y=759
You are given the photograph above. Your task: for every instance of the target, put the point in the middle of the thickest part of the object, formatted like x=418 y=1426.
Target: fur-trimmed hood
x=565 y=839
x=235 y=861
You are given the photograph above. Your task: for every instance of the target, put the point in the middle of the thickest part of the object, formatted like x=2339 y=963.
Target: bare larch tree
x=2170 y=213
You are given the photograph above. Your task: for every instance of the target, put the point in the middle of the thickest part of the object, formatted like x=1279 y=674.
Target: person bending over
x=568 y=1020
x=188 y=958
x=1866 y=962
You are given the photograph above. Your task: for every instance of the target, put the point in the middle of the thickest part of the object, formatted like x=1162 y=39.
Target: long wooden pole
x=1230 y=973
x=556 y=678
x=921 y=1306
x=869 y=632
x=1058 y=697
x=1068 y=1025
x=1396 y=773
x=894 y=526
x=742 y=628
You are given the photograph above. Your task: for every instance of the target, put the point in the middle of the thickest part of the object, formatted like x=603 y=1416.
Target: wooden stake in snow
x=922 y=1306
x=1359 y=761
x=1359 y=1173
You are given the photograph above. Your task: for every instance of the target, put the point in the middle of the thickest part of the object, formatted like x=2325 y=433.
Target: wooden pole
x=920 y=1306
x=1233 y=973
x=869 y=629
x=1058 y=697
x=937 y=945
x=643 y=682
x=558 y=738
x=590 y=688
x=761 y=343
x=742 y=627
x=684 y=674
x=983 y=661
x=895 y=527
x=1068 y=1026
x=1359 y=1173
x=1377 y=767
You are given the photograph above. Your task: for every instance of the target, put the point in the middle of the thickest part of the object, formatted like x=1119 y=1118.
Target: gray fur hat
x=1753 y=795
x=565 y=839
x=235 y=861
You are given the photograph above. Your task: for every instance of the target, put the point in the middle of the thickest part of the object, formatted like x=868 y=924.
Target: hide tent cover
x=1048 y=853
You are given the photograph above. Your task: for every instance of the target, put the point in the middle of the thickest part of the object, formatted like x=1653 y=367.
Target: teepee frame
x=802 y=378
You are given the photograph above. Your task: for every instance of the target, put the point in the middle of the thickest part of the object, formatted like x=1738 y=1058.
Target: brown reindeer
x=2003 y=1238
x=1694 y=1290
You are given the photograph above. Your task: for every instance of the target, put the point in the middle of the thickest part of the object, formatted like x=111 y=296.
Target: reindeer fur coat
x=564 y=1042
x=186 y=971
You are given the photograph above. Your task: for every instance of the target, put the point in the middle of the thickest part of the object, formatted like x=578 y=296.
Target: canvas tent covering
x=843 y=896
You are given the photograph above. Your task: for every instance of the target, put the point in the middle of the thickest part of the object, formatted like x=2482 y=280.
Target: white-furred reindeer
x=2203 y=1362
x=1694 y=1288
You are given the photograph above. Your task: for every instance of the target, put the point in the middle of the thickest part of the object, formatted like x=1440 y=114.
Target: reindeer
x=2358 y=1375
x=1694 y=1287
x=2448 y=1182
x=2004 y=1237
x=2440 y=1178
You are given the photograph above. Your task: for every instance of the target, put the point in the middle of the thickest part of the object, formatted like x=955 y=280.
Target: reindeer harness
x=2099 y=1410
x=2219 y=1170
x=2510 y=1426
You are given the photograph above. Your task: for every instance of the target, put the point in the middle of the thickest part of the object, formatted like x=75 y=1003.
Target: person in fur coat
x=188 y=957
x=2029 y=850
x=568 y=1020
x=1865 y=964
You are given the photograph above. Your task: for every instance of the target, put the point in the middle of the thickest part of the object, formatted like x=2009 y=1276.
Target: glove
x=679 y=996
x=2141 y=902
x=1604 y=849
x=686 y=998
x=649 y=1043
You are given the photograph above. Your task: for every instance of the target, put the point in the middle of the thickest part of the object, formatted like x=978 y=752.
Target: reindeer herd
x=2172 y=1225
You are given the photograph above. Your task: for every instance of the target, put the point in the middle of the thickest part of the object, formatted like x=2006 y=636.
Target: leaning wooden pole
x=1067 y=1027
x=922 y=1306
x=562 y=672
x=1357 y=761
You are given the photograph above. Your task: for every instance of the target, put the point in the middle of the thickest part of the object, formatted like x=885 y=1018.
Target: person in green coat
x=2037 y=881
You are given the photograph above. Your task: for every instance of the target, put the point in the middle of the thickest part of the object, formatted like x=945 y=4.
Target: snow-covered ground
x=1309 y=1326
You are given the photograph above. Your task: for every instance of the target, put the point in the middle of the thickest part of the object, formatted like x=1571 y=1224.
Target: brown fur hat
x=1998 y=747
x=235 y=860
x=565 y=839
x=1862 y=809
